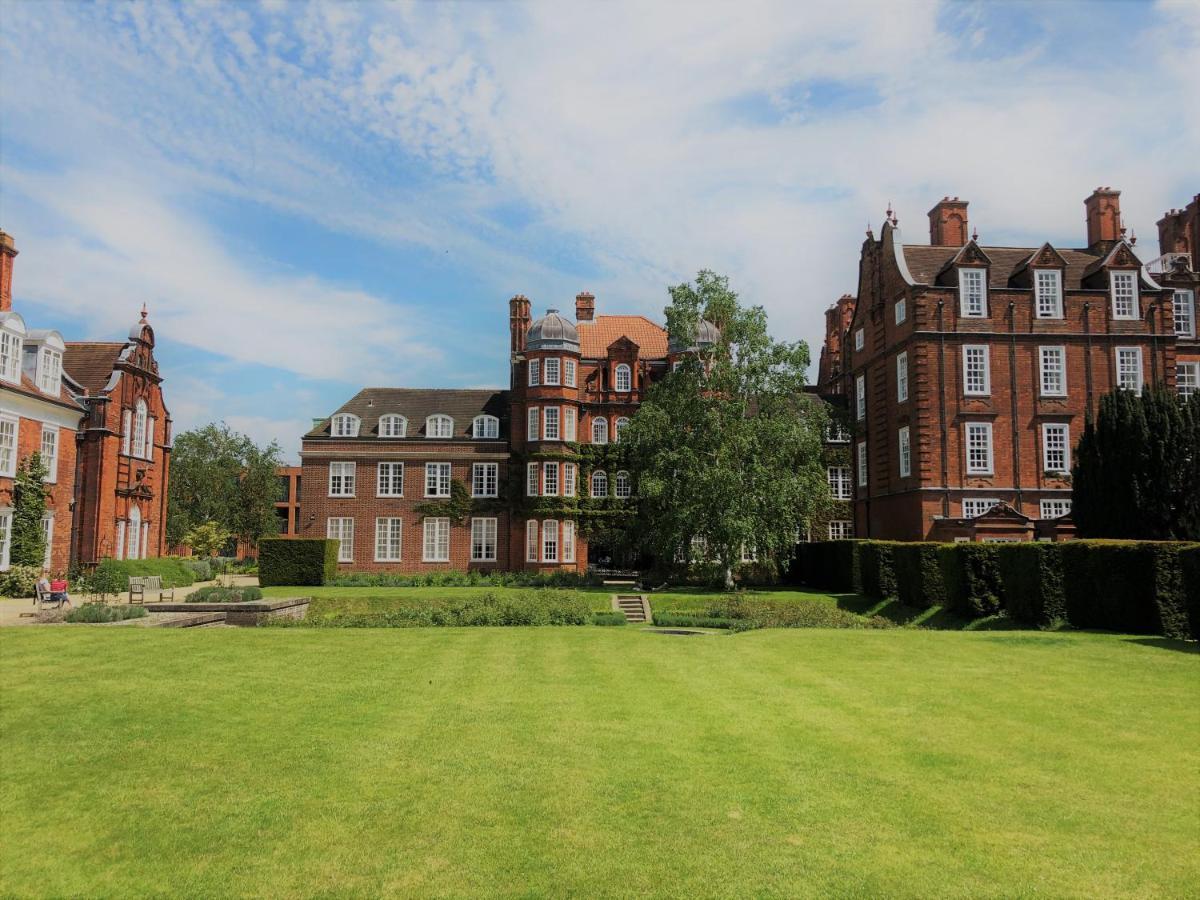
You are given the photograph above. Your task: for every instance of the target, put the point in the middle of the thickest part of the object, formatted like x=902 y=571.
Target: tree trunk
x=729 y=577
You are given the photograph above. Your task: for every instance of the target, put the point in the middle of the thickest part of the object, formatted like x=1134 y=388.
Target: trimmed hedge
x=1131 y=586
x=696 y=620
x=971 y=574
x=532 y=607
x=833 y=565
x=306 y=561
x=96 y=613
x=1189 y=563
x=173 y=571
x=609 y=618
x=918 y=569
x=1031 y=582
x=876 y=568
x=214 y=593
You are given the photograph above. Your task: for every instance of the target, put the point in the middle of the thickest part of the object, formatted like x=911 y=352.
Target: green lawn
x=596 y=762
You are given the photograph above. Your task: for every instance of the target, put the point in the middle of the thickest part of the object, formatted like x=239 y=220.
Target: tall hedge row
x=1189 y=563
x=1031 y=583
x=308 y=561
x=832 y=565
x=1131 y=586
x=877 y=568
x=971 y=573
x=919 y=580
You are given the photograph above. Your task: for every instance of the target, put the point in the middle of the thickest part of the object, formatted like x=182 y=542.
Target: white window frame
x=1123 y=289
x=619 y=425
x=974 y=507
x=1052 y=433
x=568 y=542
x=551 y=422
x=342 y=425
x=389 y=538
x=622 y=485
x=483 y=540
x=977 y=352
x=569 y=372
x=860 y=397
x=435 y=539
x=532 y=540
x=570 y=420
x=550 y=479
x=341 y=529
x=550 y=541
x=905 y=452
x=6 y=516
x=486 y=428
x=49 y=370
x=535 y=372
x=9 y=446
x=119 y=549
x=1121 y=354
x=438 y=476
x=126 y=431
x=599 y=430
x=623 y=379
x=602 y=476
x=860 y=339
x=570 y=473
x=386 y=476
x=988 y=466
x=532 y=479
x=1053 y=378
x=439 y=426
x=840 y=482
x=48 y=536
x=393 y=426
x=901 y=310
x=140 y=417
x=1048 y=295
x=1183 y=312
x=972 y=304
x=1054 y=509
x=12 y=351
x=149 y=446
x=552 y=371
x=533 y=423
x=1187 y=378
x=485 y=479
x=902 y=377
x=841 y=530
x=343 y=477
x=862 y=463
x=49 y=451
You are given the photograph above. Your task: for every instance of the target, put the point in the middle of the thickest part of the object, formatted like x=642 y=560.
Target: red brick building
x=969 y=368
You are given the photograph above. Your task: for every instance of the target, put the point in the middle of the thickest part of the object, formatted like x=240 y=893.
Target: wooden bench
x=140 y=585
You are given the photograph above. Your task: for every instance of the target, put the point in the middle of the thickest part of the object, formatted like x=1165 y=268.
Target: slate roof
x=27 y=386
x=924 y=263
x=91 y=363
x=596 y=336
x=416 y=405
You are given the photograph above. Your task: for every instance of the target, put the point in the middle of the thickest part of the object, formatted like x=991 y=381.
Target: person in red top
x=58 y=591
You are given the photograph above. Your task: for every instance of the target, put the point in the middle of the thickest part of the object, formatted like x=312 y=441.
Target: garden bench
x=44 y=596
x=139 y=585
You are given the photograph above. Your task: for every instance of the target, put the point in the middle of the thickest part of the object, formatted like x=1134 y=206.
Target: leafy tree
x=221 y=476
x=727 y=449
x=29 y=508
x=207 y=538
x=1137 y=468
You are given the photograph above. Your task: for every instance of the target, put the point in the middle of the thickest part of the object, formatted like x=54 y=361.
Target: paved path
x=13 y=609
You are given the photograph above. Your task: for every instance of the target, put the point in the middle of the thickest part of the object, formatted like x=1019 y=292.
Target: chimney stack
x=1103 y=218
x=948 y=223
x=1179 y=231
x=837 y=322
x=585 y=306
x=8 y=252
x=518 y=321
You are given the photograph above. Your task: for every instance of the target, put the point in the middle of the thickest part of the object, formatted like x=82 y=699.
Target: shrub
x=609 y=618
x=1031 y=586
x=201 y=568
x=115 y=573
x=971 y=574
x=790 y=614
x=699 y=620
x=19 y=581
x=217 y=594
x=544 y=607
x=876 y=568
x=918 y=571
x=306 y=561
x=97 y=612
x=832 y=565
x=1131 y=586
x=1189 y=564
x=471 y=578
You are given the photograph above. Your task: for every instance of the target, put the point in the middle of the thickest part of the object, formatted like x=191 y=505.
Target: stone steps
x=633 y=605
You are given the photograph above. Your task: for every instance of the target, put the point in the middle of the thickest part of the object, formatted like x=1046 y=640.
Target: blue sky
x=311 y=197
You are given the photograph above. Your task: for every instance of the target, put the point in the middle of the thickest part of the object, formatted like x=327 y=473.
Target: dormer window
x=344 y=425
x=1124 y=295
x=393 y=426
x=11 y=347
x=553 y=371
x=1048 y=288
x=439 y=426
x=624 y=378
x=486 y=428
x=972 y=293
x=49 y=370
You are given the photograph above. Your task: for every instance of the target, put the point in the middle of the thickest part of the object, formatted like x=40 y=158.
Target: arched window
x=133 y=534
x=139 y=431
x=623 y=486
x=599 y=484
x=624 y=378
x=600 y=430
x=439 y=426
x=343 y=425
x=487 y=427
x=618 y=427
x=393 y=426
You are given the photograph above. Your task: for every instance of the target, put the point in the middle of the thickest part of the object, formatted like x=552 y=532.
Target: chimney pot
x=948 y=223
x=585 y=306
x=1103 y=213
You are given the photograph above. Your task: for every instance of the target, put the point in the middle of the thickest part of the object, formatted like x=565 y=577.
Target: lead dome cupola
x=707 y=334
x=553 y=332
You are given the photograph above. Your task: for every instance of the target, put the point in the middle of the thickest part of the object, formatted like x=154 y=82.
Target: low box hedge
x=876 y=569
x=1131 y=586
x=971 y=575
x=919 y=581
x=1031 y=582
x=300 y=561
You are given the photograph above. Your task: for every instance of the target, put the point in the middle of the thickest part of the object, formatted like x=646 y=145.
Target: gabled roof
x=924 y=263
x=1045 y=257
x=90 y=363
x=597 y=336
x=416 y=405
x=1120 y=255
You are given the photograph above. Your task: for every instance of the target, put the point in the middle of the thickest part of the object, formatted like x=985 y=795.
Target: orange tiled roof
x=596 y=336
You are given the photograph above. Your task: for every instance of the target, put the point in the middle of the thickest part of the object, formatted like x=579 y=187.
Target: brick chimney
x=837 y=321
x=1179 y=230
x=518 y=321
x=8 y=252
x=1103 y=218
x=948 y=223
x=585 y=306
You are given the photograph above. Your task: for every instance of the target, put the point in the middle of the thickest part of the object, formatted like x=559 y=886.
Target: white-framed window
x=139 y=429
x=569 y=372
x=749 y=553
x=341 y=529
x=11 y=348
x=550 y=431
x=570 y=423
x=533 y=423
x=49 y=370
x=145 y=551
x=905 y=453
x=550 y=540
x=6 y=538
x=977 y=370
x=531 y=480
x=483 y=540
x=859 y=339
x=49 y=451
x=1055 y=509
x=901 y=310
x=623 y=378
x=149 y=454
x=387 y=539
x=1124 y=294
x=393 y=426
x=435 y=546
x=48 y=536
x=437 y=479
x=979 y=448
x=599 y=484
x=1184 y=308
x=531 y=541
x=485 y=428
x=9 y=426
x=485 y=479
x=862 y=463
x=389 y=479
x=860 y=397
x=836 y=432
x=341 y=479
x=553 y=371
x=535 y=372
x=841 y=530
x=1187 y=378
x=902 y=377
x=972 y=293
x=977 y=506
x=568 y=542
x=1129 y=368
x=550 y=479
x=439 y=426
x=599 y=430
x=119 y=546
x=1056 y=448
x=342 y=425
x=1054 y=371
x=839 y=482
x=622 y=485
x=126 y=431
x=1048 y=290
x=619 y=427
x=570 y=472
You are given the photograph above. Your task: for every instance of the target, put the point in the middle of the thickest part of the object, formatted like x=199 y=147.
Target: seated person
x=58 y=591
x=42 y=589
